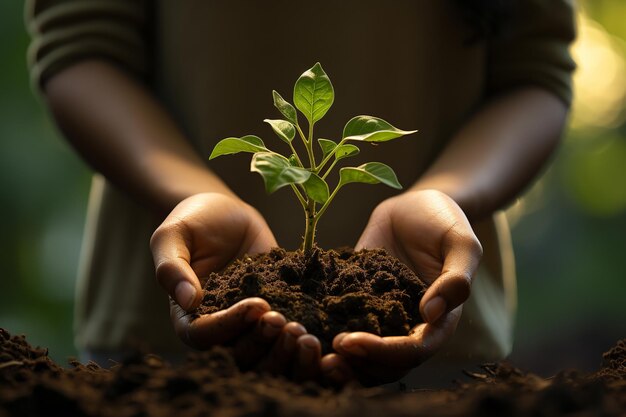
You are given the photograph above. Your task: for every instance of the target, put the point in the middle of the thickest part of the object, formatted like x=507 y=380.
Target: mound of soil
x=328 y=292
x=209 y=384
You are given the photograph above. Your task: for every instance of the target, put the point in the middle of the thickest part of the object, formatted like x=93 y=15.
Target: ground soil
x=210 y=384
x=329 y=292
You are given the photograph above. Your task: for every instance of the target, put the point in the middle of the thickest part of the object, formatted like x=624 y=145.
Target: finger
x=370 y=368
x=371 y=350
x=283 y=352
x=462 y=253
x=251 y=347
x=170 y=250
x=432 y=336
x=223 y=326
x=336 y=370
x=308 y=356
x=181 y=320
x=398 y=352
x=377 y=232
x=260 y=239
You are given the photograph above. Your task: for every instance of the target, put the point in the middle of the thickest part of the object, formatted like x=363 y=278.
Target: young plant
x=313 y=95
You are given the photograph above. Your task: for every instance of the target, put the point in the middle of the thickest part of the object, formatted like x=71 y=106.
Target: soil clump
x=328 y=292
x=210 y=384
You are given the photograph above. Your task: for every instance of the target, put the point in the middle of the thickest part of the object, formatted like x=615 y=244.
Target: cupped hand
x=201 y=235
x=430 y=233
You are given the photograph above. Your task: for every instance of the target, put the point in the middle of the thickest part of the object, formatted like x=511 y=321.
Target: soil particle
x=328 y=292
x=614 y=363
x=210 y=384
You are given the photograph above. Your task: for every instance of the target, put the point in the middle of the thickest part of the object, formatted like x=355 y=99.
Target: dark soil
x=209 y=384
x=328 y=292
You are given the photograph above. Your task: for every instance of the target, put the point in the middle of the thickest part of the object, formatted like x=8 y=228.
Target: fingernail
x=434 y=308
x=339 y=338
x=327 y=368
x=353 y=349
x=269 y=330
x=253 y=314
x=309 y=342
x=289 y=341
x=185 y=293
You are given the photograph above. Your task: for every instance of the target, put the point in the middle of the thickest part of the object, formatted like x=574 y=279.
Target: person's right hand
x=202 y=235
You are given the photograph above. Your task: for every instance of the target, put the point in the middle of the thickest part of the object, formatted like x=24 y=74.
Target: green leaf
x=372 y=129
x=293 y=161
x=277 y=171
x=327 y=146
x=316 y=188
x=345 y=151
x=313 y=93
x=249 y=143
x=370 y=173
x=284 y=129
x=285 y=108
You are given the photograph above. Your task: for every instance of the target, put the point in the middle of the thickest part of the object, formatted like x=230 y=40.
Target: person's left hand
x=430 y=233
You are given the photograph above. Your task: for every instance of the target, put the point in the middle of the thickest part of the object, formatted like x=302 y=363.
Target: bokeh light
x=595 y=175
x=600 y=80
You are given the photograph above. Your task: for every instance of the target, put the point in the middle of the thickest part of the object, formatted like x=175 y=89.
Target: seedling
x=313 y=95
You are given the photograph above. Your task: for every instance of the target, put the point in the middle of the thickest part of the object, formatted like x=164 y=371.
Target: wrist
x=453 y=189
x=172 y=184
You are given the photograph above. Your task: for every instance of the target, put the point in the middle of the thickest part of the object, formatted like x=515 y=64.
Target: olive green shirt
x=213 y=64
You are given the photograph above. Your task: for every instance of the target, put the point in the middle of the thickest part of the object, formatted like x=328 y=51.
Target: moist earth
x=210 y=384
x=328 y=292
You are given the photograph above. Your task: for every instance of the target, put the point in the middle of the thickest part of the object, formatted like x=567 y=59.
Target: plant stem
x=330 y=155
x=296 y=154
x=309 y=149
x=311 y=221
x=311 y=224
x=325 y=206
x=311 y=218
x=301 y=134
x=300 y=196
x=330 y=168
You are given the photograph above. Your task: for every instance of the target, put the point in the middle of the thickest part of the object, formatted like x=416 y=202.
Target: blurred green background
x=569 y=229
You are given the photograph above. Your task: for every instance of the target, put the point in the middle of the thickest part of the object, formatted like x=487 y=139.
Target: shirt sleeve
x=66 y=31
x=535 y=49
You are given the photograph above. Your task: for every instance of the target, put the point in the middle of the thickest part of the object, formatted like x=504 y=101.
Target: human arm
x=122 y=131
x=498 y=152
x=88 y=59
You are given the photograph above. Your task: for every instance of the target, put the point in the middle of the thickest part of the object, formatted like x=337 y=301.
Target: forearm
x=498 y=152
x=124 y=133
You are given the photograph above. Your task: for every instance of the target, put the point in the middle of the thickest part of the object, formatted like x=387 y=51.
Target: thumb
x=377 y=232
x=260 y=238
x=173 y=270
x=462 y=253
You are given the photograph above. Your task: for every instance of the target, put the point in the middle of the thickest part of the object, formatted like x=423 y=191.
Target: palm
x=431 y=234
x=218 y=230
x=408 y=235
